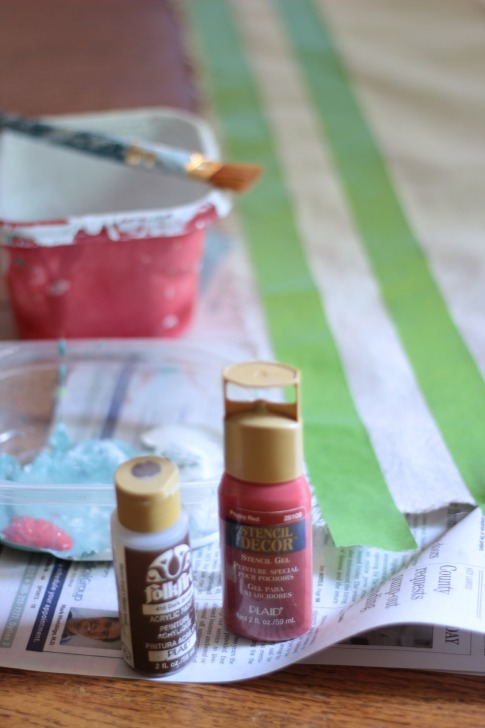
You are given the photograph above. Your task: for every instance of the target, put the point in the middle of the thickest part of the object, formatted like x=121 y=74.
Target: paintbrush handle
x=116 y=149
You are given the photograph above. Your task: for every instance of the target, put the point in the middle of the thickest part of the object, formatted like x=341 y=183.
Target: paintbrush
x=224 y=175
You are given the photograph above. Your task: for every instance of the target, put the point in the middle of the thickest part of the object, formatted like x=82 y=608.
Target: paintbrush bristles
x=228 y=176
x=236 y=177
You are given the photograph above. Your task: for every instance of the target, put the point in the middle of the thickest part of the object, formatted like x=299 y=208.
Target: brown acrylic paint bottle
x=265 y=509
x=152 y=558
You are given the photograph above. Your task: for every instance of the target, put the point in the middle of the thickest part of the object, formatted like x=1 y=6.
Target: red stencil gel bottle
x=152 y=559
x=265 y=509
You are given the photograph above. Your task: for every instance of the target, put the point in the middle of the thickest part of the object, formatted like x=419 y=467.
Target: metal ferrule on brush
x=171 y=160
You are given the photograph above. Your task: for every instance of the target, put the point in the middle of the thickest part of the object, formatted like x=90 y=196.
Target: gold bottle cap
x=262 y=439
x=147 y=494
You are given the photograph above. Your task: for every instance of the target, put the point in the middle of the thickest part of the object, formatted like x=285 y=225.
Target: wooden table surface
x=61 y=56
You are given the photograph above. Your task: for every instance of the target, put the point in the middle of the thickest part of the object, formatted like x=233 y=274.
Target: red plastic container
x=94 y=249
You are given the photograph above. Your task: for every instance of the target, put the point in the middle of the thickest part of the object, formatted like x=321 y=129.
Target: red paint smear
x=38 y=533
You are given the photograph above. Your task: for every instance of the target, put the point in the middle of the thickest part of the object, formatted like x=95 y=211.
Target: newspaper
x=370 y=607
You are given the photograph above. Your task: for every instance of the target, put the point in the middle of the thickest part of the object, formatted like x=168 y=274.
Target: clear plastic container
x=142 y=396
x=92 y=248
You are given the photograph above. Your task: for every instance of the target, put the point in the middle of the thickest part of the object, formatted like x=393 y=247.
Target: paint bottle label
x=267 y=572
x=157 y=609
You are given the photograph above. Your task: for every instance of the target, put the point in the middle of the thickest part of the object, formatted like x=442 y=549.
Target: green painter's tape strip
x=348 y=482
x=446 y=372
